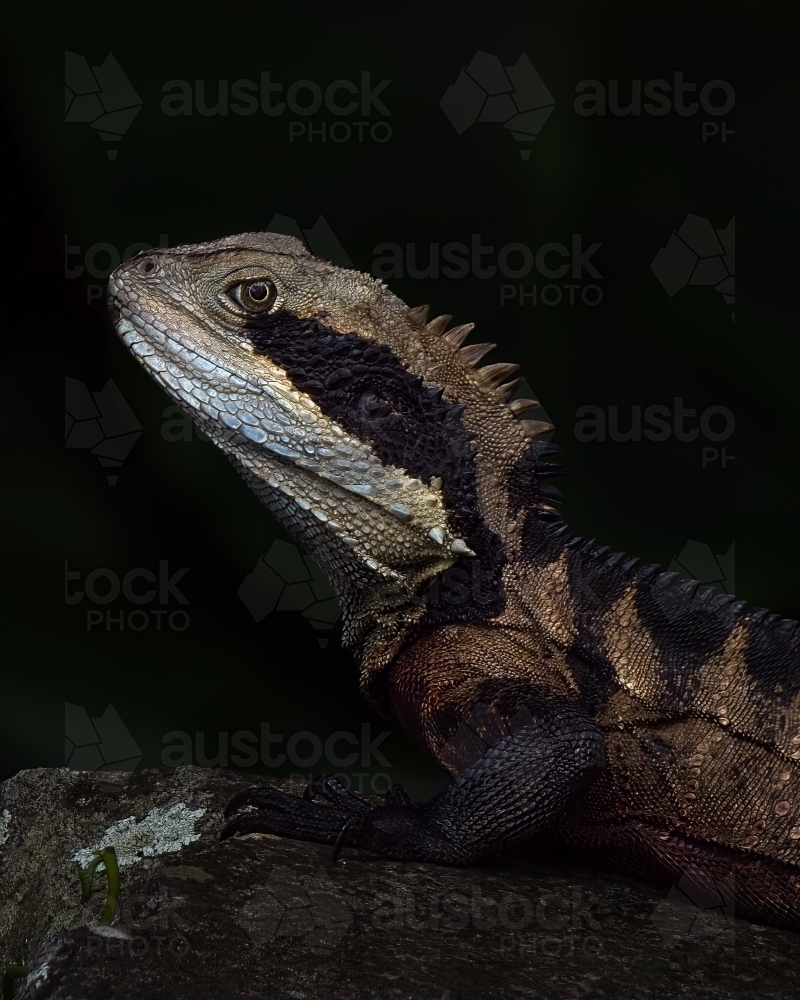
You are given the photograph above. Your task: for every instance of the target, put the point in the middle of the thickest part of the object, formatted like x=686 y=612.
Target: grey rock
x=262 y=916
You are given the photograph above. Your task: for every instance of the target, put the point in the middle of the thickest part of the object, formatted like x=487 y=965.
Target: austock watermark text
x=716 y=98
x=525 y=925
x=138 y=586
x=303 y=98
x=304 y=749
x=514 y=261
x=659 y=423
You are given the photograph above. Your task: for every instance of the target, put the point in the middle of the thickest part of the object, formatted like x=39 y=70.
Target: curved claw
x=312 y=788
x=260 y=796
x=396 y=795
x=243 y=798
x=352 y=823
x=236 y=826
x=281 y=824
x=278 y=813
x=232 y=828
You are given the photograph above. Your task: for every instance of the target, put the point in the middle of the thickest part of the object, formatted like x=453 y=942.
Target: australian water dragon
x=645 y=720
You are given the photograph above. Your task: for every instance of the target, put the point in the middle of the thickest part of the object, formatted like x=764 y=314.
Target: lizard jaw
x=390 y=521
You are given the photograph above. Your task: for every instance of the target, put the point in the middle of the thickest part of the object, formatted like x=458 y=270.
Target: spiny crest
x=490 y=377
x=690 y=596
x=458 y=334
x=418 y=315
x=472 y=354
x=439 y=325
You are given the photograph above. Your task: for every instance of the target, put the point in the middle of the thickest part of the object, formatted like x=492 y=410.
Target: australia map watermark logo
x=308 y=908
x=698 y=254
x=320 y=239
x=700 y=911
x=101 y=422
x=697 y=561
x=98 y=744
x=285 y=580
x=101 y=97
x=488 y=92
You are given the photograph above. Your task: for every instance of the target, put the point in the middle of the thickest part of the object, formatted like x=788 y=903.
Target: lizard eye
x=255 y=296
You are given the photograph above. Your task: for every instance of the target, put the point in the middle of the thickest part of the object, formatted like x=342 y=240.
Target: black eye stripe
x=366 y=389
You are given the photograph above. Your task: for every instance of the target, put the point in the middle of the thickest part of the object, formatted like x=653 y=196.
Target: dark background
x=627 y=182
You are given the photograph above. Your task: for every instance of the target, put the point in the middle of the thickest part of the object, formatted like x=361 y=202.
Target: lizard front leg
x=506 y=790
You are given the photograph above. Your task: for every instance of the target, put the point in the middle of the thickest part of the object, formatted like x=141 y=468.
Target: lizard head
x=370 y=433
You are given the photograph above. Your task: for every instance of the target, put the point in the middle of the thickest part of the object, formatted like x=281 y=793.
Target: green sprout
x=8 y=980
x=108 y=858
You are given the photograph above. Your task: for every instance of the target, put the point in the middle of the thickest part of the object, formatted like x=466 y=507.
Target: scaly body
x=646 y=721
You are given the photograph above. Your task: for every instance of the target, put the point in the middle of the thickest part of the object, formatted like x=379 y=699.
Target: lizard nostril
x=147 y=266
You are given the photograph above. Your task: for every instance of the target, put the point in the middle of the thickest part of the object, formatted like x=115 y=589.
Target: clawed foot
x=506 y=793
x=345 y=819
